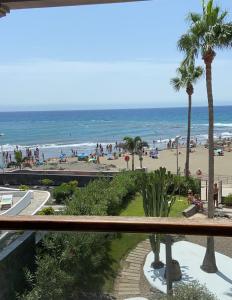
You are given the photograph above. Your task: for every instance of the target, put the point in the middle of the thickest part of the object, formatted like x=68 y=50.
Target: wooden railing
x=22 y=4
x=212 y=227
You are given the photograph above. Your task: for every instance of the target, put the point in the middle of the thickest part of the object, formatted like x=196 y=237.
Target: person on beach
x=197 y=201
x=215 y=194
x=190 y=197
x=199 y=172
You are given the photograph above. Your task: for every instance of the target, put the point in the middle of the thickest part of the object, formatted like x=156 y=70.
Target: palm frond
x=176 y=83
x=188 y=74
x=193 y=17
x=137 y=139
x=222 y=34
x=207 y=31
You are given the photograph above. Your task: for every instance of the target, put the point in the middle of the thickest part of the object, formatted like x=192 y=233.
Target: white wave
x=226 y=134
x=217 y=124
x=223 y=124
x=9 y=147
x=202 y=136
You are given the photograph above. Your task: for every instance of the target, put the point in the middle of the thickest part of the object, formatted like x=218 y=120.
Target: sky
x=101 y=56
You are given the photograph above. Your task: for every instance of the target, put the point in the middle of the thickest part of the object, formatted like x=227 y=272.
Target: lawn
x=135 y=207
x=127 y=241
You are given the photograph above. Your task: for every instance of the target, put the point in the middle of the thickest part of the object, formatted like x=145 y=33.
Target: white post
x=177 y=154
x=177 y=157
x=2 y=159
x=219 y=192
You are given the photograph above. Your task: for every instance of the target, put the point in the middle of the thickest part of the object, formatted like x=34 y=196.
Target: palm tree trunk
x=141 y=161
x=209 y=262
x=168 y=246
x=133 y=161
x=188 y=135
x=155 y=245
x=210 y=141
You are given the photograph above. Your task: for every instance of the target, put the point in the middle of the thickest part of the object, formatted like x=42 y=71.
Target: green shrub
x=23 y=187
x=190 y=183
x=64 y=191
x=120 y=192
x=89 y=200
x=228 y=200
x=46 y=211
x=79 y=263
x=11 y=164
x=46 y=182
x=191 y=291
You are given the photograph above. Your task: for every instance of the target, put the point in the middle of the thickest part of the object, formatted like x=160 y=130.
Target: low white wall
x=14 y=193
x=20 y=205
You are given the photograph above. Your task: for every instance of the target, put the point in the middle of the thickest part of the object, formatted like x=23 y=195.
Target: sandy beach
x=167 y=158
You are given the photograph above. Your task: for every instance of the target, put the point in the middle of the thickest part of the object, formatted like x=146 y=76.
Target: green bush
x=64 y=191
x=107 y=196
x=46 y=182
x=23 y=187
x=228 y=200
x=191 y=291
x=121 y=189
x=46 y=211
x=185 y=184
x=11 y=164
x=78 y=264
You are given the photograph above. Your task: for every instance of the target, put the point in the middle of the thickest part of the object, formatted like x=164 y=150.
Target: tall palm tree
x=208 y=31
x=140 y=145
x=187 y=75
x=131 y=145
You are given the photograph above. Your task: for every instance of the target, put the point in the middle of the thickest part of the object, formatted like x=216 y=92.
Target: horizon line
x=106 y=109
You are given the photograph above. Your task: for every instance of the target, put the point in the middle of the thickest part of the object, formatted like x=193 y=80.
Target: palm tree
x=19 y=158
x=187 y=76
x=140 y=145
x=131 y=145
x=208 y=31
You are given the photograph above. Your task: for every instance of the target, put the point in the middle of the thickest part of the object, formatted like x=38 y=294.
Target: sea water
x=56 y=131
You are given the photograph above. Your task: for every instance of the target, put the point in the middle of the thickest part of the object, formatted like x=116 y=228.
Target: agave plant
x=158 y=191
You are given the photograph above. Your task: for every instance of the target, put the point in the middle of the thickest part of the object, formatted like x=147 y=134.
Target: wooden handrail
x=215 y=227
x=22 y=4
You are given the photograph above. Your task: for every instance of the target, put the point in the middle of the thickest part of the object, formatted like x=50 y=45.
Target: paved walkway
x=127 y=284
x=39 y=199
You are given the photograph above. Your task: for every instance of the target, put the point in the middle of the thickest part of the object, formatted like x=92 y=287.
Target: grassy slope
x=127 y=241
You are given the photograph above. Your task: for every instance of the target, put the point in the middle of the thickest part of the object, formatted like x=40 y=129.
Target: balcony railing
x=210 y=227
x=84 y=237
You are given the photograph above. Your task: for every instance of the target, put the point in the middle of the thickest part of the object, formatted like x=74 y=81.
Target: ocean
x=53 y=131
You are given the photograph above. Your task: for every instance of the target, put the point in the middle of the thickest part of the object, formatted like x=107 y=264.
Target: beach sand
x=167 y=158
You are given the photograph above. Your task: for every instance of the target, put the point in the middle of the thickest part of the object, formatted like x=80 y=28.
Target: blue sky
x=105 y=56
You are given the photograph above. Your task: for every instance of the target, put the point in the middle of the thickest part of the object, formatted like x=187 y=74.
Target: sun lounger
x=39 y=163
x=94 y=160
x=6 y=202
x=83 y=157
